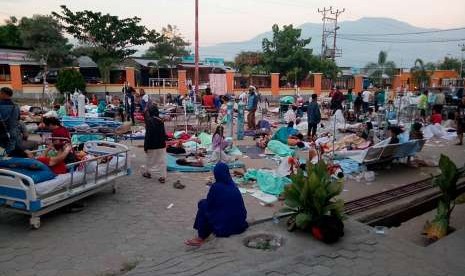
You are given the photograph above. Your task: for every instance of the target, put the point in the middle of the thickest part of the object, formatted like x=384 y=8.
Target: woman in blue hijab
x=223 y=212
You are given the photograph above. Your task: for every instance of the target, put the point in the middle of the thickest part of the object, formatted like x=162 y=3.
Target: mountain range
x=362 y=39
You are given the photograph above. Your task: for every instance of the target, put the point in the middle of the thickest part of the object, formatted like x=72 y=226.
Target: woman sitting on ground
x=368 y=133
x=415 y=132
x=395 y=131
x=223 y=212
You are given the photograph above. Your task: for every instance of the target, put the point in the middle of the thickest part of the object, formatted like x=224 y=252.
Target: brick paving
x=134 y=229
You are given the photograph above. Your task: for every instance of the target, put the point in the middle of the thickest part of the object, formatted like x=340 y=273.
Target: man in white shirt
x=243 y=98
x=366 y=96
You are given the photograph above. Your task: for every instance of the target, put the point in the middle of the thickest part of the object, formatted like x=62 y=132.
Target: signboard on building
x=214 y=61
x=188 y=59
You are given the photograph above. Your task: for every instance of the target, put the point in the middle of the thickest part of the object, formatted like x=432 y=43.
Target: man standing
x=252 y=103
x=313 y=116
x=380 y=98
x=423 y=104
x=155 y=144
x=336 y=100
x=366 y=96
x=10 y=137
x=144 y=100
x=130 y=106
x=460 y=118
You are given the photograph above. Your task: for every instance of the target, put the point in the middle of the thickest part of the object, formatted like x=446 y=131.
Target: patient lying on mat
x=223 y=212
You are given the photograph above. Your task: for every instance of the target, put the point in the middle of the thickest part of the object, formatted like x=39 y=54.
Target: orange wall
x=16 y=78
x=130 y=76
x=275 y=84
x=182 y=81
x=230 y=81
x=317 y=79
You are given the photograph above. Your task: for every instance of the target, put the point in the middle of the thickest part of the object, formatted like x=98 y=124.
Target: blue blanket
x=172 y=166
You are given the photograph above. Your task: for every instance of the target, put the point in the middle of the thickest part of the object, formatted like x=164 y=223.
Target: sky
x=239 y=20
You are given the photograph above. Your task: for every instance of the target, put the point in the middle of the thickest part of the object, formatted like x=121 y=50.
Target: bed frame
x=18 y=192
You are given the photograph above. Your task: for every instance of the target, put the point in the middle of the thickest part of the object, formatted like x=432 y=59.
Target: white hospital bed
x=19 y=193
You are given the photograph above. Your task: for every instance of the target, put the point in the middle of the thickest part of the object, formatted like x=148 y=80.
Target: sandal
x=177 y=185
x=161 y=180
x=194 y=242
x=147 y=175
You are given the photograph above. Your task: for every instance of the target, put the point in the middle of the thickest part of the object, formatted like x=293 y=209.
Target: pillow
x=23 y=163
x=38 y=171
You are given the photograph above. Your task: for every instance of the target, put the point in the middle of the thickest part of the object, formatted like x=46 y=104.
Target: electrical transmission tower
x=330 y=27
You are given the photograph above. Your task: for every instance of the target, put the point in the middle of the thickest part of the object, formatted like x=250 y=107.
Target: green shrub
x=69 y=80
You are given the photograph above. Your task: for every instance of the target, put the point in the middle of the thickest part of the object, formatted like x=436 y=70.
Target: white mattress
x=64 y=179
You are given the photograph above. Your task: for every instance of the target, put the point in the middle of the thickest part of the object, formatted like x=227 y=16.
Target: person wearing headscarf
x=219 y=145
x=223 y=212
x=155 y=144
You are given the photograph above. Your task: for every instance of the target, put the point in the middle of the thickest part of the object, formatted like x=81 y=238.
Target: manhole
x=263 y=241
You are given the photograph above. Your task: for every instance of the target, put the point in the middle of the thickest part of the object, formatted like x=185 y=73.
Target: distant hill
x=359 y=53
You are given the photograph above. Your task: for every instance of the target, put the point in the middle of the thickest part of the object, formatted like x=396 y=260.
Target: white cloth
x=243 y=97
x=145 y=98
x=289 y=116
x=156 y=161
x=366 y=95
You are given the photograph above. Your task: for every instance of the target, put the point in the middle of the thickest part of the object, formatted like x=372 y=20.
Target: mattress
x=63 y=180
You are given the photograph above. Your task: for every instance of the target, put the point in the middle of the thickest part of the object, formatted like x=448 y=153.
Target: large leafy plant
x=447 y=183
x=312 y=195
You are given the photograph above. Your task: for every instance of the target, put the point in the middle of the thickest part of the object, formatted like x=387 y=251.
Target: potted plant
x=447 y=183
x=311 y=198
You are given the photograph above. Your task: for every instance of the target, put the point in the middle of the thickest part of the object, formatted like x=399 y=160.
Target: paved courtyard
x=134 y=230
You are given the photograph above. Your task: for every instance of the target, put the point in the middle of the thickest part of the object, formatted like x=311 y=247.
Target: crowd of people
x=223 y=212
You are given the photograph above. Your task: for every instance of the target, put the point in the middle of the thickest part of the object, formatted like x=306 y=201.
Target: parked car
x=52 y=76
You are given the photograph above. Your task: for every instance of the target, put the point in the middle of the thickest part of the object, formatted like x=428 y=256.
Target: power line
x=409 y=33
x=403 y=41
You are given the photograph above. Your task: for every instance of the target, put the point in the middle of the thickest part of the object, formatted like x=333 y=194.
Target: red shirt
x=209 y=100
x=436 y=118
x=59 y=168
x=61 y=132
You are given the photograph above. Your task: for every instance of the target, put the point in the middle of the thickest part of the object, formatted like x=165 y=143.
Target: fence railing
x=163 y=82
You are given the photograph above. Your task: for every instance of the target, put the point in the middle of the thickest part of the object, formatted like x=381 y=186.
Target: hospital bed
x=20 y=194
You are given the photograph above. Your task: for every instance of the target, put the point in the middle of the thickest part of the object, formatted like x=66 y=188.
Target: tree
x=10 y=35
x=377 y=71
x=248 y=60
x=43 y=34
x=325 y=66
x=420 y=75
x=287 y=53
x=111 y=38
x=450 y=64
x=69 y=79
x=170 y=49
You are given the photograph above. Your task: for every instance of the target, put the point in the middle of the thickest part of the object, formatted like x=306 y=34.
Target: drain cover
x=263 y=241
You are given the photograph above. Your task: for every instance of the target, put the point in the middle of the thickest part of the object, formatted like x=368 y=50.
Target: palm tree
x=378 y=71
x=420 y=75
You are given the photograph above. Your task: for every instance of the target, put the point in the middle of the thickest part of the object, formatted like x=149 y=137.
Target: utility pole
x=336 y=27
x=462 y=49
x=330 y=27
x=196 y=73
x=325 y=34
